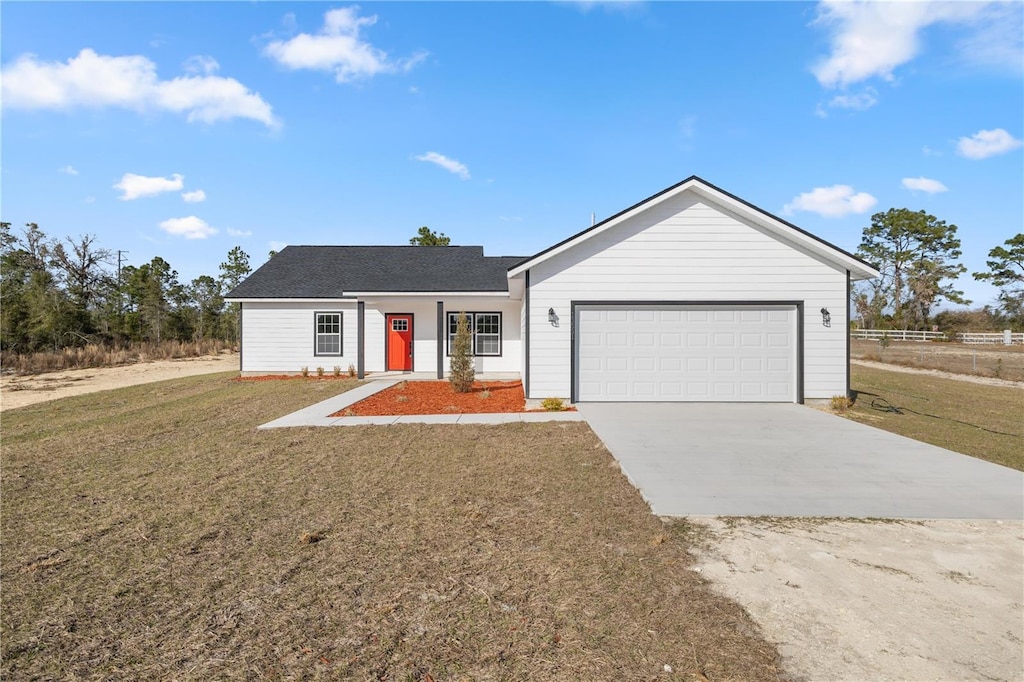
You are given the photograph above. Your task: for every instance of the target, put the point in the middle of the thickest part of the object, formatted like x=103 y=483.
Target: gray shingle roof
x=337 y=271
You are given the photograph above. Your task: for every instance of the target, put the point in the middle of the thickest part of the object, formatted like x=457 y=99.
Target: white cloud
x=928 y=151
x=986 y=143
x=135 y=186
x=924 y=185
x=277 y=246
x=67 y=170
x=129 y=82
x=201 y=64
x=194 y=197
x=450 y=165
x=239 y=233
x=871 y=39
x=189 y=228
x=831 y=202
x=859 y=102
x=688 y=127
x=339 y=48
x=609 y=6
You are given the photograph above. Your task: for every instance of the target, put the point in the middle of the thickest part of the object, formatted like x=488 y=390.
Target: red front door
x=399 y=342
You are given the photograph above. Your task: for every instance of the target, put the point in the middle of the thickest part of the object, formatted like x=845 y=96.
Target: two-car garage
x=692 y=352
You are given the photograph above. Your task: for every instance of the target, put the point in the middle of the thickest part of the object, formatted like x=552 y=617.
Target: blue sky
x=184 y=129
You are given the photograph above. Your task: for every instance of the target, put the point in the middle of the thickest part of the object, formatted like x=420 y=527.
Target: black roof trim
x=704 y=182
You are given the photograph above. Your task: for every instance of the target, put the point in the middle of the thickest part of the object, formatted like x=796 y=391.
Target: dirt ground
x=974 y=379
x=877 y=600
x=19 y=391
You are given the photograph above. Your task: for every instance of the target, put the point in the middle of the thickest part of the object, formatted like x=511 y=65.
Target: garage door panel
x=686 y=353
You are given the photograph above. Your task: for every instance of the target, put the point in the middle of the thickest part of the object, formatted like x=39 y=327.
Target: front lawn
x=153 y=533
x=976 y=419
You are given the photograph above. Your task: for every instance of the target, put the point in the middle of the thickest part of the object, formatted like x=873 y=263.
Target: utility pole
x=119 y=260
x=120 y=291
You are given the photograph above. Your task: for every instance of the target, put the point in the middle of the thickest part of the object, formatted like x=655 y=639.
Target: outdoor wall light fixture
x=826 y=318
x=552 y=317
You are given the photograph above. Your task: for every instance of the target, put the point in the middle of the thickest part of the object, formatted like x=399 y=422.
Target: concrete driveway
x=728 y=459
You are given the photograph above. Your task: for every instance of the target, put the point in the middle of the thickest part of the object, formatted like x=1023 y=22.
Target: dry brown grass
x=153 y=533
x=975 y=419
x=1002 y=362
x=94 y=355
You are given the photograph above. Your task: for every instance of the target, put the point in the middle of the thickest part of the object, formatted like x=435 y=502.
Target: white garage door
x=721 y=353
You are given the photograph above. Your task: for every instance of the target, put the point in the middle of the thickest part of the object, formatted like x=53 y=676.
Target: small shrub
x=462 y=373
x=840 y=403
x=884 y=341
x=337 y=371
x=320 y=372
x=305 y=371
x=351 y=370
x=402 y=399
x=484 y=394
x=401 y=385
x=553 y=404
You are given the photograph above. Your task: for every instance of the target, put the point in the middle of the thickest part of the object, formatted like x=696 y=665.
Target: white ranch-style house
x=690 y=295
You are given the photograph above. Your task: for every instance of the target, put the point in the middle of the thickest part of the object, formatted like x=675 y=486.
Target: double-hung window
x=486 y=331
x=328 y=334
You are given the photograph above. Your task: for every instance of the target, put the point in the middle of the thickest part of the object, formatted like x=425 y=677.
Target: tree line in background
x=918 y=257
x=56 y=294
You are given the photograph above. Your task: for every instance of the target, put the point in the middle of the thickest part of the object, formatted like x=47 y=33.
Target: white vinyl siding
x=424 y=311
x=281 y=337
x=687 y=250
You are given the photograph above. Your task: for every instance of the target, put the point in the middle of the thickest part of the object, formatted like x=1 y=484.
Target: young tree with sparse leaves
x=461 y=372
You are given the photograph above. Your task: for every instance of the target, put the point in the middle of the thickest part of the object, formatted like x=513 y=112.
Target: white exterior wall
x=280 y=337
x=687 y=250
x=424 y=311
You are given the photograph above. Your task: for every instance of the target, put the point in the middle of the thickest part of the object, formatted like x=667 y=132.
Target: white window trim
x=317 y=334
x=471 y=317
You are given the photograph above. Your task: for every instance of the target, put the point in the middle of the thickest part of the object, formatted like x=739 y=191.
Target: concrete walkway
x=741 y=459
x=317 y=415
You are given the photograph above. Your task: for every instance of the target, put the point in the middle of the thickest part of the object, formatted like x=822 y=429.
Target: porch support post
x=440 y=339
x=360 y=340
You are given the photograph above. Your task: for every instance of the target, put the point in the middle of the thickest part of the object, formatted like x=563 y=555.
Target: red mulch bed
x=437 y=397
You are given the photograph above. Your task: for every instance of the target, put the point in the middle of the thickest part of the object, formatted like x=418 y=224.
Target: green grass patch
x=975 y=419
x=154 y=533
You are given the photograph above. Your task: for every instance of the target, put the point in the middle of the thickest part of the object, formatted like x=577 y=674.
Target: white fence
x=898 y=335
x=1006 y=337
